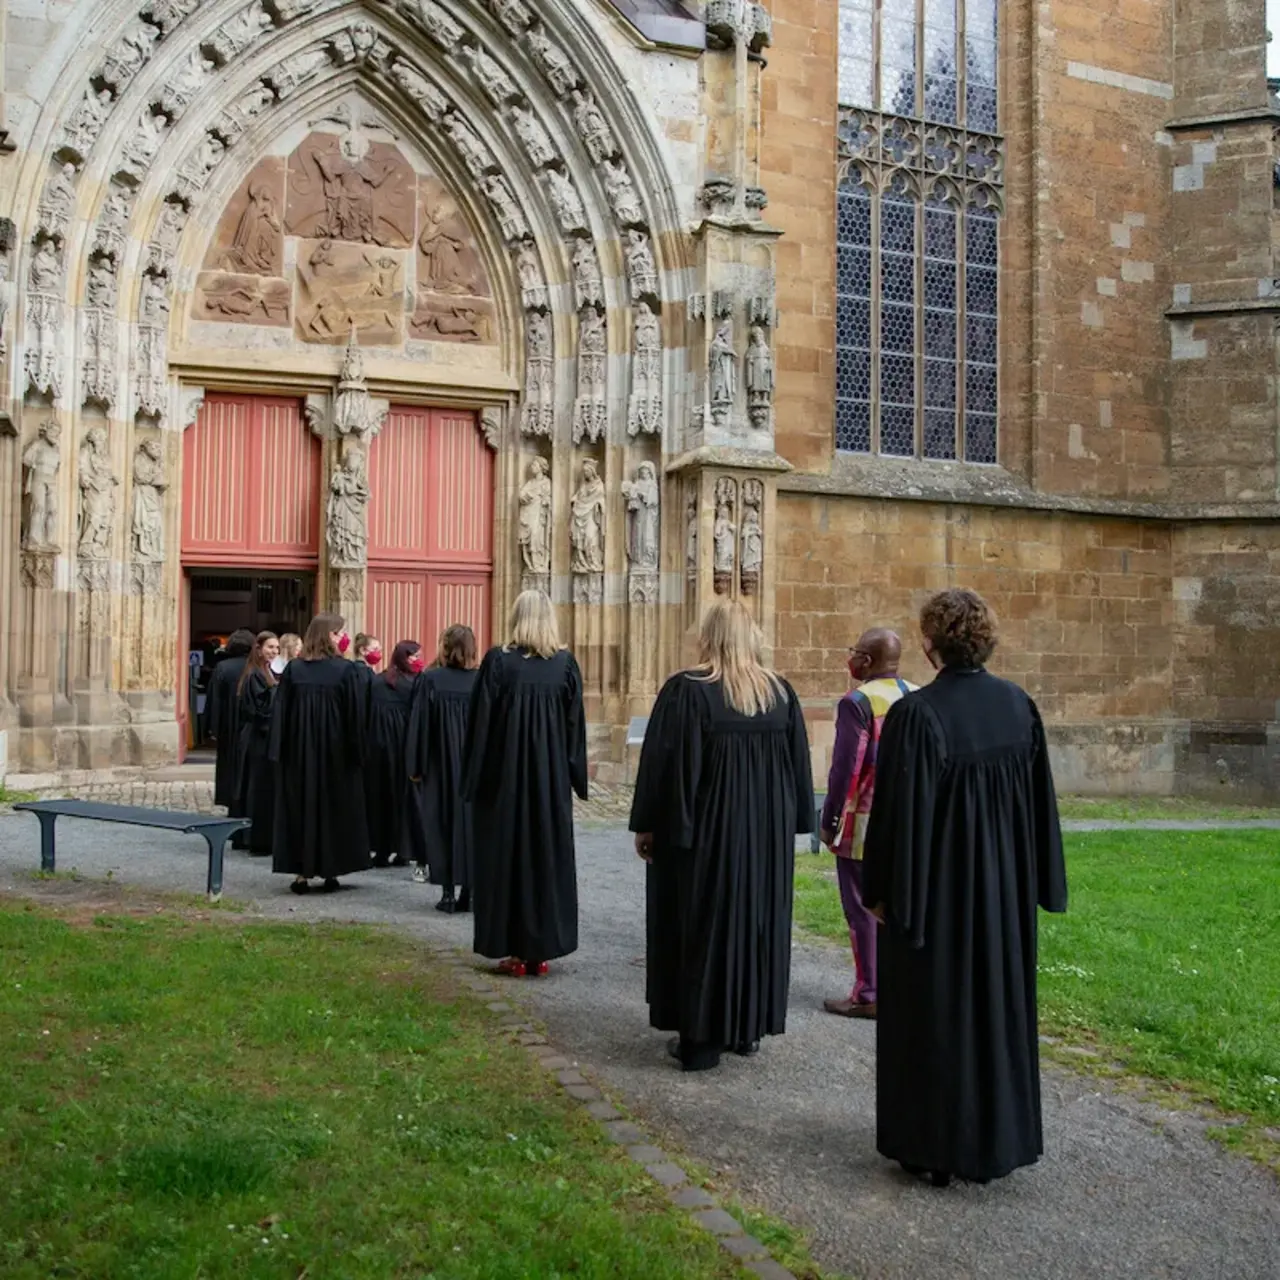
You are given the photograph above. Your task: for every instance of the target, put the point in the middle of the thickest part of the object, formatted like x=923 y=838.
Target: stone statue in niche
x=641 y=271
x=622 y=193
x=644 y=412
x=533 y=284
x=86 y=122
x=257 y=244
x=345 y=526
x=475 y=155
x=437 y=24
x=752 y=558
x=100 y=287
x=596 y=135
x=534 y=138
x=98 y=484
x=724 y=536
x=642 y=498
x=148 y=500
x=350 y=188
x=344 y=286
x=108 y=237
x=505 y=208
x=535 y=519
x=57 y=201
x=433 y=103
x=586 y=527
x=552 y=62
x=164 y=240
x=153 y=304
x=40 y=463
x=723 y=370
x=141 y=145
x=590 y=410
x=565 y=201
x=494 y=82
x=45 y=272
x=691 y=532
x=759 y=361
x=537 y=418
x=588 y=287
x=444 y=265
x=196 y=169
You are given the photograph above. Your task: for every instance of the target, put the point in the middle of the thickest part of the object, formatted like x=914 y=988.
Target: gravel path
x=1126 y=1189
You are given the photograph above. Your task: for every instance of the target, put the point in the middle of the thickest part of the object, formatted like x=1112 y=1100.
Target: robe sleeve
x=281 y=710
x=575 y=728
x=213 y=704
x=801 y=766
x=479 y=716
x=666 y=795
x=898 y=855
x=356 y=693
x=418 y=740
x=1051 y=867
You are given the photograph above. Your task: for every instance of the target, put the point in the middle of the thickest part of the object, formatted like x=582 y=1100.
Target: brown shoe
x=850 y=1008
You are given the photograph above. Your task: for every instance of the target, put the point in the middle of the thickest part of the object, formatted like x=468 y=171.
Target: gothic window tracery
x=919 y=195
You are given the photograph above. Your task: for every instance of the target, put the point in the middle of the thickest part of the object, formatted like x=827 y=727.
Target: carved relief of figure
x=588 y=287
x=510 y=219
x=148 y=500
x=565 y=201
x=535 y=519
x=345 y=528
x=126 y=57
x=87 y=120
x=256 y=242
x=444 y=267
x=433 y=103
x=233 y=122
x=45 y=274
x=533 y=285
x=641 y=271
x=182 y=85
x=57 y=201
x=596 y=135
x=295 y=70
x=201 y=162
x=752 y=558
x=349 y=181
x=109 y=234
x=586 y=529
x=691 y=533
x=553 y=63
x=537 y=142
x=590 y=411
x=141 y=145
x=622 y=193
x=98 y=486
x=153 y=304
x=723 y=367
x=642 y=499
x=100 y=288
x=438 y=25
x=644 y=413
x=723 y=537
x=498 y=87
x=513 y=14
x=475 y=155
x=759 y=378
x=238 y=33
x=40 y=462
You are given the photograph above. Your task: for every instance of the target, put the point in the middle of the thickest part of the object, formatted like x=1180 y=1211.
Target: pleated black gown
x=386 y=774
x=256 y=788
x=223 y=723
x=724 y=796
x=526 y=752
x=437 y=738
x=962 y=845
x=317 y=745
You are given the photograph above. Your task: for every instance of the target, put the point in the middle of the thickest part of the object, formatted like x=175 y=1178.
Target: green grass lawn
x=192 y=1099
x=1167 y=963
x=1136 y=808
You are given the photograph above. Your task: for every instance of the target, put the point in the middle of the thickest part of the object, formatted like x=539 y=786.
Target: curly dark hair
x=960 y=626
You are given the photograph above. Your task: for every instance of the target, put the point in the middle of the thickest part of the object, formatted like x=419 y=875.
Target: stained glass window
x=921 y=171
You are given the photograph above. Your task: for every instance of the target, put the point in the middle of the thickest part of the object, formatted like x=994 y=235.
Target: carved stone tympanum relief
x=350 y=188
x=454 y=302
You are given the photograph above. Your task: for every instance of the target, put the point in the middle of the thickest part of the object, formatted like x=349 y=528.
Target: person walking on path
x=525 y=754
x=437 y=736
x=224 y=718
x=386 y=780
x=873 y=668
x=256 y=785
x=317 y=746
x=723 y=788
x=962 y=846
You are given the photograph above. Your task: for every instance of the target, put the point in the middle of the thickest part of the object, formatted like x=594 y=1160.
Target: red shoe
x=511 y=968
x=538 y=970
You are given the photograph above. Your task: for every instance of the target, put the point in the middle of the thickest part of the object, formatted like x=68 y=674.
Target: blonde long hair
x=533 y=625
x=731 y=648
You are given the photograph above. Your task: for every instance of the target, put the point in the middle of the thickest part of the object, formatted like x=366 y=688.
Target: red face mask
x=373 y=657
x=344 y=642
x=417 y=663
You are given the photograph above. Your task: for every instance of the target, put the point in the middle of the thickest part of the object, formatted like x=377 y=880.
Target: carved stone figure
x=553 y=63
x=350 y=179
x=642 y=498
x=182 y=86
x=237 y=34
x=108 y=236
x=641 y=271
x=723 y=537
x=148 y=500
x=57 y=201
x=358 y=44
x=596 y=135
x=494 y=82
x=433 y=103
x=510 y=218
x=153 y=301
x=752 y=557
x=45 y=272
x=141 y=145
x=126 y=57
x=590 y=410
x=255 y=244
x=691 y=532
x=622 y=193
x=723 y=368
x=346 y=531
x=759 y=362
x=443 y=267
x=533 y=285
x=86 y=123
x=491 y=425
x=100 y=288
x=513 y=14
x=288 y=75
x=475 y=155
x=98 y=486
x=195 y=170
x=566 y=201
x=535 y=139
x=588 y=287
x=40 y=462
x=166 y=14
x=644 y=412
x=535 y=519
x=586 y=527
x=437 y=24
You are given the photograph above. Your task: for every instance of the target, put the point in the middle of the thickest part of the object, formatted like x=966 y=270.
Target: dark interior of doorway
x=222 y=601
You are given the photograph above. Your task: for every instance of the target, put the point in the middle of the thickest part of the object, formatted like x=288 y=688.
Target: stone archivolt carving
x=588 y=286
x=108 y=236
x=291 y=73
x=149 y=484
x=40 y=463
x=723 y=372
x=360 y=43
x=514 y=15
x=494 y=82
x=86 y=122
x=590 y=409
x=236 y=119
x=552 y=62
x=533 y=284
x=57 y=201
x=644 y=410
x=537 y=418
x=752 y=557
x=566 y=201
x=98 y=366
x=196 y=169
x=127 y=56
x=505 y=208
x=434 y=104
x=436 y=23
x=589 y=121
x=622 y=194
x=586 y=536
x=759 y=362
x=141 y=145
x=98 y=483
x=163 y=244
x=724 y=535
x=285 y=11
x=346 y=528
x=44 y=309
x=533 y=137
x=642 y=498
x=475 y=155
x=151 y=367
x=235 y=35
x=166 y=14
x=185 y=83
x=642 y=273
x=535 y=522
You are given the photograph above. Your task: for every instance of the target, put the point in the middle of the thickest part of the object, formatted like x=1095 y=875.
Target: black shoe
x=748 y=1050
x=330 y=886
x=693 y=1057
x=464 y=900
x=300 y=886
x=939 y=1179
x=446 y=903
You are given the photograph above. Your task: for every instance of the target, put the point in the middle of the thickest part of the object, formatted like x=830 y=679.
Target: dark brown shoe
x=851 y=1008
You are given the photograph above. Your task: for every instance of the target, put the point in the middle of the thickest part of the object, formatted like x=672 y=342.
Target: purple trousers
x=862 y=930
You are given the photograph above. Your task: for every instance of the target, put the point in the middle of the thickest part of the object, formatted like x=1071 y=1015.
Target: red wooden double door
x=253 y=498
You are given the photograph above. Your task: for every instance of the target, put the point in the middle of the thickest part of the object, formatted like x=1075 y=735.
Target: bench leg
x=216 y=838
x=47 y=846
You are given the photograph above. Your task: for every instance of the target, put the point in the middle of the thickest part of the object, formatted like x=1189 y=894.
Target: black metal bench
x=215 y=831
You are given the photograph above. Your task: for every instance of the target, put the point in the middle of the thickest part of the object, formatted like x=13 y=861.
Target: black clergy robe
x=526 y=752
x=317 y=746
x=256 y=786
x=222 y=720
x=386 y=776
x=437 y=736
x=962 y=846
x=724 y=795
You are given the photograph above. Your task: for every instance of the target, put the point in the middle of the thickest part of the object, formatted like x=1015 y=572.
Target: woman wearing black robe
x=725 y=784
x=386 y=778
x=317 y=747
x=962 y=846
x=256 y=787
x=437 y=735
x=526 y=752
x=223 y=718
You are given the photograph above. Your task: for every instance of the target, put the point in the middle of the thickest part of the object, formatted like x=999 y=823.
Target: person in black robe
x=437 y=735
x=256 y=785
x=386 y=777
x=317 y=747
x=725 y=784
x=222 y=712
x=962 y=846
x=525 y=753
